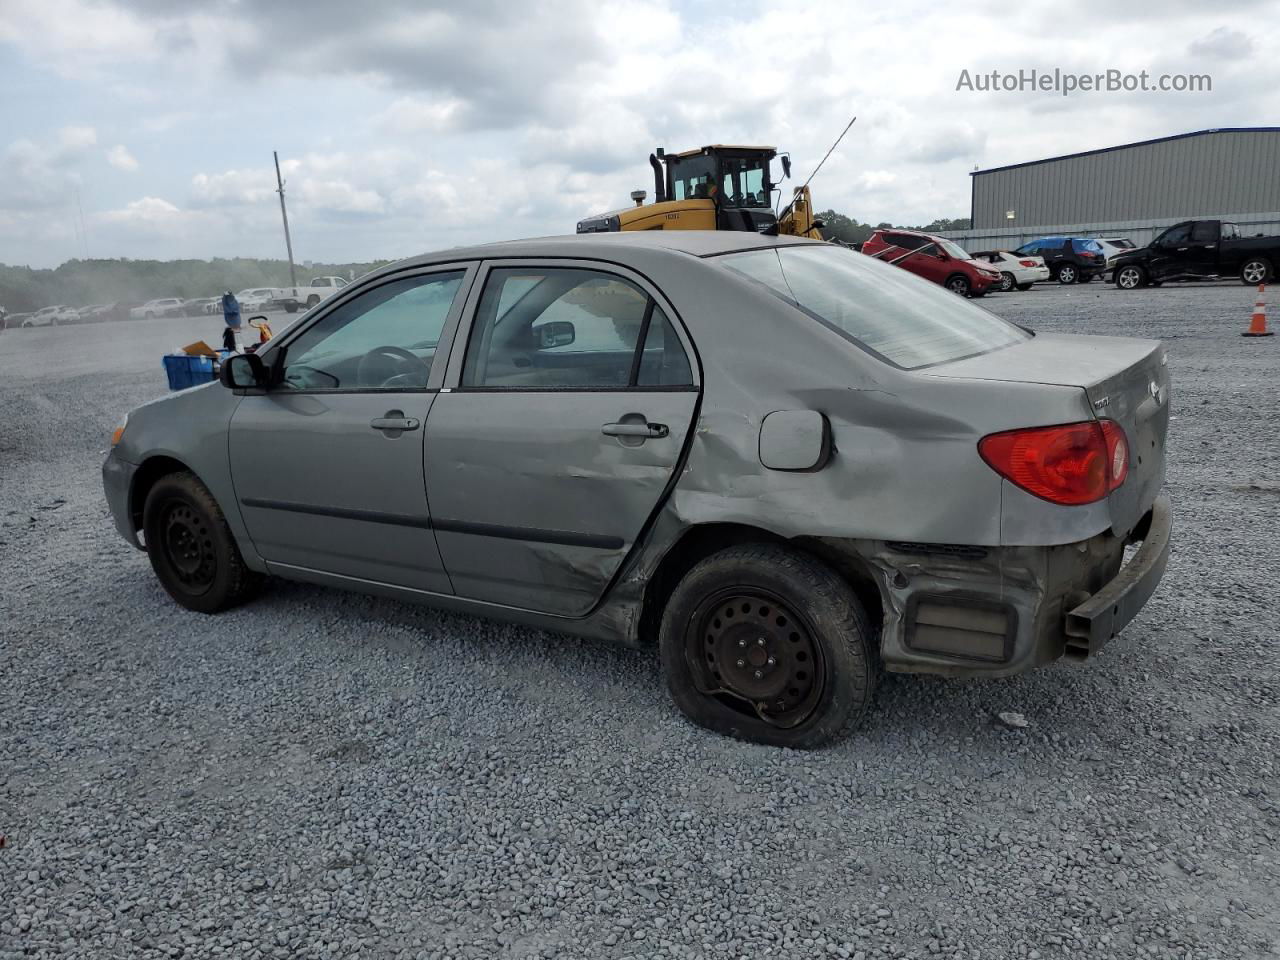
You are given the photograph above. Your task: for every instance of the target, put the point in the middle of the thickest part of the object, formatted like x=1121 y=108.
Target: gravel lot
x=327 y=775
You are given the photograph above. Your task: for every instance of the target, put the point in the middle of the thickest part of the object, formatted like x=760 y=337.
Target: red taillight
x=1028 y=263
x=1071 y=464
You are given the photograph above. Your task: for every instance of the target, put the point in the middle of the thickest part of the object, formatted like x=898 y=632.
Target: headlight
x=118 y=432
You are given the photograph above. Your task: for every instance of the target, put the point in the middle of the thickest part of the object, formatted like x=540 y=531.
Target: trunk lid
x=1125 y=380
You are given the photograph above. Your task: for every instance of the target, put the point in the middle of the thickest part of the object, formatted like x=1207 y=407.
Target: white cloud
x=147 y=210
x=120 y=158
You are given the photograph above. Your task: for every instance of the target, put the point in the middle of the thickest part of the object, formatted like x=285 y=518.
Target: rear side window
x=1205 y=231
x=564 y=329
x=893 y=314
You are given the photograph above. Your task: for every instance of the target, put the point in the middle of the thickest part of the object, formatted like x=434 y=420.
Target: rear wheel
x=1024 y=286
x=312 y=301
x=192 y=550
x=1067 y=273
x=1130 y=278
x=1007 y=282
x=958 y=284
x=290 y=308
x=766 y=644
x=1254 y=271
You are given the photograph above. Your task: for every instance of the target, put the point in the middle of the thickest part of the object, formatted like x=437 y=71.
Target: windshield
x=953 y=250
x=893 y=314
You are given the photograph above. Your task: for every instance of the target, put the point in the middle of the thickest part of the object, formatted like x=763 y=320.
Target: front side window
x=384 y=339
x=1175 y=236
x=889 y=312
x=554 y=328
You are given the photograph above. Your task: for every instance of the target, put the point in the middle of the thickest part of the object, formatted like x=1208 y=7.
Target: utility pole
x=284 y=215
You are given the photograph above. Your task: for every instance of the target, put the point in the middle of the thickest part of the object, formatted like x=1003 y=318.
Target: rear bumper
x=960 y=611
x=1093 y=623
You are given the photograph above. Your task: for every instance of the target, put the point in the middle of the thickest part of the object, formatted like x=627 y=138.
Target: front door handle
x=642 y=431
x=394 y=423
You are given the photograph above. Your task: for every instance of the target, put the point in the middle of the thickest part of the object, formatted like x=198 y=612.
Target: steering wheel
x=373 y=366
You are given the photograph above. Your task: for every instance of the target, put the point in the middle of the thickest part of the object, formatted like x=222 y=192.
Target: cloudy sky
x=144 y=128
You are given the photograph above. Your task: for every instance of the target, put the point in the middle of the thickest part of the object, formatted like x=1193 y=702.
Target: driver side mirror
x=243 y=371
x=786 y=166
x=557 y=333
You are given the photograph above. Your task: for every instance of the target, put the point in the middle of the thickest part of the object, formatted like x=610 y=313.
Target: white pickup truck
x=293 y=299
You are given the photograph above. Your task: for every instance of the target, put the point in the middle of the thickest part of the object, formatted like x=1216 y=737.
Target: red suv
x=934 y=258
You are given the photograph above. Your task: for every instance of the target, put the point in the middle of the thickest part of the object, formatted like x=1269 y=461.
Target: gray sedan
x=783 y=465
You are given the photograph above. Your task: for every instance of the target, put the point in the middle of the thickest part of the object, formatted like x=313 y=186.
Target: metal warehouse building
x=1134 y=190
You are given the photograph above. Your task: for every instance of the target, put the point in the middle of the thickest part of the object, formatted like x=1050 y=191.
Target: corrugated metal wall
x=1220 y=173
x=1140 y=232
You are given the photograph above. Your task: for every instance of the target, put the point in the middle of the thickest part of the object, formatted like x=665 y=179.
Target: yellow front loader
x=720 y=187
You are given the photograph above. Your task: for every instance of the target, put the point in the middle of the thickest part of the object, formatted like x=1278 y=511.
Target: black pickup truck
x=1198 y=250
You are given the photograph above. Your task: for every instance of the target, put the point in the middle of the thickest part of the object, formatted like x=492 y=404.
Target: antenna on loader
x=797 y=192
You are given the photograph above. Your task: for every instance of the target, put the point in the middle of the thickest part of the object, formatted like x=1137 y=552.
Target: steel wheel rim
x=1254 y=272
x=751 y=651
x=188 y=548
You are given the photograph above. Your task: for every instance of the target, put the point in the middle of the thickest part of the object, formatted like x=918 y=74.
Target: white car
x=1112 y=247
x=257 y=299
x=162 y=307
x=50 y=317
x=1016 y=269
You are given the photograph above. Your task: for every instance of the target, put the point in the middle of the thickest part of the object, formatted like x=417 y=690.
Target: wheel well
x=700 y=542
x=148 y=473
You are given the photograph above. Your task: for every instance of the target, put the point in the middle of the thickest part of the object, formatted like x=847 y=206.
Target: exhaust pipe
x=659 y=180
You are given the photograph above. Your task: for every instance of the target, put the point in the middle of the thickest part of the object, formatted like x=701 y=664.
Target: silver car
x=783 y=465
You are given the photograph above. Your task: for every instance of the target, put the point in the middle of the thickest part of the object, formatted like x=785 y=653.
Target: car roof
x=697 y=243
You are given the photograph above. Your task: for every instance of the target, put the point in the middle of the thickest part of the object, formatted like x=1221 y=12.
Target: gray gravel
x=328 y=775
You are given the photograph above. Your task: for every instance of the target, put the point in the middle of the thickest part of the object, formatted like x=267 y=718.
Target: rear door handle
x=645 y=431
x=394 y=423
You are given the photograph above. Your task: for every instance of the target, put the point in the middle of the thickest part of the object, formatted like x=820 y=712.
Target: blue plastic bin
x=185 y=371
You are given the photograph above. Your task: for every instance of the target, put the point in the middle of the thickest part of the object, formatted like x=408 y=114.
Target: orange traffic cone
x=1258 y=325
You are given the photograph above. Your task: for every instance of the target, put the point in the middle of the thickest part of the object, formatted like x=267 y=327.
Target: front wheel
x=1007 y=282
x=766 y=644
x=1067 y=274
x=191 y=548
x=312 y=301
x=1255 y=271
x=958 y=284
x=1130 y=278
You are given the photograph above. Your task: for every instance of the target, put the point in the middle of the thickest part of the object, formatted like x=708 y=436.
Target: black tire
x=1067 y=273
x=290 y=308
x=805 y=615
x=1131 y=277
x=1007 y=282
x=312 y=301
x=958 y=283
x=192 y=550
x=1024 y=286
x=1254 y=271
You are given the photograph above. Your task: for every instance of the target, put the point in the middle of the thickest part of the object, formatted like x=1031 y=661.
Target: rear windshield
x=895 y=315
x=1082 y=245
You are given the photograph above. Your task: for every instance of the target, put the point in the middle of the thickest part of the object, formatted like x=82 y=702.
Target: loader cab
x=736 y=178
x=719 y=187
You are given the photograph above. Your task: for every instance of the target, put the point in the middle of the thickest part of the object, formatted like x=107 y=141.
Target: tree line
x=836 y=226
x=77 y=283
